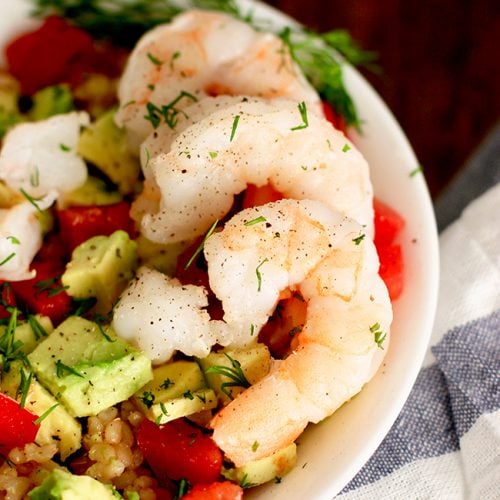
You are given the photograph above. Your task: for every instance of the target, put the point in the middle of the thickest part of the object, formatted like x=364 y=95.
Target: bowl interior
x=332 y=452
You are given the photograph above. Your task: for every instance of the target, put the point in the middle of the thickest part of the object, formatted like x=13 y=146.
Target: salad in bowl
x=218 y=257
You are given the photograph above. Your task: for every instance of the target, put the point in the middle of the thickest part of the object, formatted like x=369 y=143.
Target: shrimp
x=20 y=238
x=225 y=143
x=204 y=54
x=41 y=157
x=160 y=315
x=306 y=247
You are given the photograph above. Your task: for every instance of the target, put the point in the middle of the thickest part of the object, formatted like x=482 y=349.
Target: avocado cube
x=93 y=192
x=51 y=101
x=30 y=332
x=265 y=469
x=101 y=267
x=105 y=145
x=89 y=369
x=158 y=256
x=178 y=389
x=255 y=362
x=58 y=427
x=62 y=485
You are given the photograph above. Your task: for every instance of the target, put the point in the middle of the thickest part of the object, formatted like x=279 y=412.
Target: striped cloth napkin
x=445 y=444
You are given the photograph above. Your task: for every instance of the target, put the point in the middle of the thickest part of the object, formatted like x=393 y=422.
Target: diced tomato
x=216 y=491
x=54 y=53
x=392 y=269
x=78 y=224
x=336 y=120
x=286 y=322
x=388 y=225
x=17 y=425
x=44 y=293
x=7 y=299
x=53 y=250
x=163 y=494
x=257 y=196
x=178 y=450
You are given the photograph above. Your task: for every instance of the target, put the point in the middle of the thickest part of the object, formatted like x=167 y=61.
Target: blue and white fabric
x=445 y=444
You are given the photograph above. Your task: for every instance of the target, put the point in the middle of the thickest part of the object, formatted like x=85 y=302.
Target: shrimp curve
x=200 y=54
x=306 y=247
x=225 y=143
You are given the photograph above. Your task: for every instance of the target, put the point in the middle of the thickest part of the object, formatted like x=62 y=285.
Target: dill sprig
x=10 y=349
x=234 y=373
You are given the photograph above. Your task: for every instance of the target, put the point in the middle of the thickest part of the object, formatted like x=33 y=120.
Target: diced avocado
x=62 y=485
x=266 y=469
x=93 y=192
x=178 y=389
x=51 y=101
x=9 y=94
x=87 y=368
x=57 y=427
x=255 y=362
x=104 y=144
x=31 y=332
x=101 y=267
x=163 y=258
x=97 y=93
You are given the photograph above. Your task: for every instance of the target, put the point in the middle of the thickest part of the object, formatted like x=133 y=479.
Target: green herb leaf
x=168 y=112
x=346 y=148
x=9 y=257
x=259 y=275
x=303 y=114
x=62 y=369
x=24 y=386
x=234 y=127
x=148 y=398
x=234 y=373
x=45 y=414
x=154 y=59
x=201 y=245
x=257 y=220
x=378 y=334
x=64 y=148
x=37 y=329
x=359 y=239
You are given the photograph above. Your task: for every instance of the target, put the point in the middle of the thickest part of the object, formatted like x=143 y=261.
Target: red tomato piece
x=216 y=491
x=44 y=293
x=336 y=120
x=54 y=53
x=78 y=224
x=392 y=269
x=388 y=224
x=17 y=425
x=53 y=250
x=257 y=196
x=7 y=299
x=178 y=450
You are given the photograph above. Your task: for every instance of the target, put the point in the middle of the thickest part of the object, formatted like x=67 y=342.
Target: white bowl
x=332 y=452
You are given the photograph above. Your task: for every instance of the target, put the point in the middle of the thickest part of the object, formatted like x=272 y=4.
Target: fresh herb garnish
x=24 y=386
x=154 y=59
x=234 y=127
x=13 y=240
x=37 y=329
x=166 y=383
x=346 y=148
x=378 y=334
x=175 y=56
x=45 y=414
x=9 y=257
x=168 y=112
x=10 y=349
x=64 y=148
x=183 y=488
x=359 y=239
x=188 y=395
x=303 y=114
x=255 y=446
x=31 y=200
x=235 y=374
x=257 y=220
x=35 y=178
x=259 y=274
x=164 y=411
x=417 y=170
x=61 y=369
x=245 y=483
x=148 y=398
x=213 y=154
x=202 y=244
